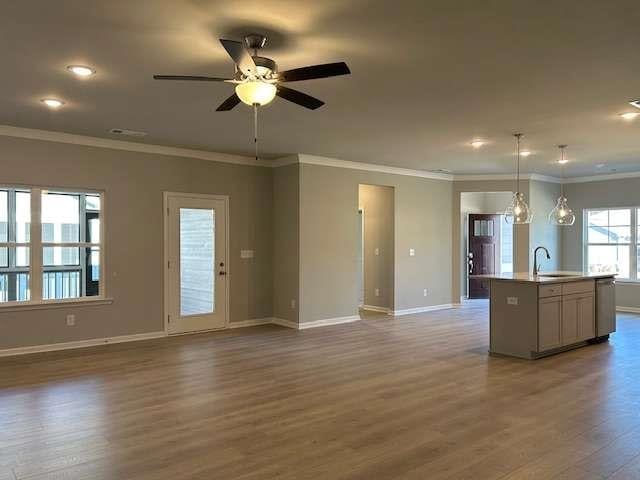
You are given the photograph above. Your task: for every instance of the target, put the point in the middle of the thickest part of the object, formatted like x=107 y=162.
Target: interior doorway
x=376 y=250
x=196 y=262
x=487 y=240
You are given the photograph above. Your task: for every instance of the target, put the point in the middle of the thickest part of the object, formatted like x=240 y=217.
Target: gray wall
x=601 y=194
x=543 y=198
x=329 y=243
x=286 y=254
x=378 y=205
x=134 y=183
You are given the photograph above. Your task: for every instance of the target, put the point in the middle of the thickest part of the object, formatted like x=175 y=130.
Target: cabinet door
x=570 y=319
x=586 y=317
x=549 y=323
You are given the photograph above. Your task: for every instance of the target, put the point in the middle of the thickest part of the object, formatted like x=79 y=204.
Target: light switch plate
x=377 y=251
x=246 y=253
x=412 y=252
x=71 y=320
x=512 y=300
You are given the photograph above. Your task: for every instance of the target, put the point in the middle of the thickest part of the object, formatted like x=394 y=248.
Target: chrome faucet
x=536 y=268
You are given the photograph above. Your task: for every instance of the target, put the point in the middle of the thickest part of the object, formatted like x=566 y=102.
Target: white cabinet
x=566 y=318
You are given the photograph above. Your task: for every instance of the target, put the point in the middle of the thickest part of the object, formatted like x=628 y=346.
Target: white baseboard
x=374 y=308
x=328 y=321
x=93 y=342
x=430 y=308
x=628 y=309
x=284 y=323
x=251 y=323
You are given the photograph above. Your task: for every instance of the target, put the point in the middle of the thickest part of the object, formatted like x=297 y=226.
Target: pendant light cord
x=562 y=147
x=518 y=135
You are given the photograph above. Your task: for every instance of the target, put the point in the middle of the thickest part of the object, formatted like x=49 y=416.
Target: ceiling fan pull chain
x=255 y=128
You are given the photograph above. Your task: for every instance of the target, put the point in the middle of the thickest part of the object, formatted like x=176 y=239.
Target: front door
x=196 y=264
x=483 y=252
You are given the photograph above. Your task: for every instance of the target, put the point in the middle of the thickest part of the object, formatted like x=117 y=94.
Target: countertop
x=544 y=277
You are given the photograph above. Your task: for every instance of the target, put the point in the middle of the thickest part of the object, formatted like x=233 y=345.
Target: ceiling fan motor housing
x=266 y=66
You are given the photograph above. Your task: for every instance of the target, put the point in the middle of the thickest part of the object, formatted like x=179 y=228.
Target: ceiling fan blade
x=240 y=56
x=190 y=77
x=298 y=97
x=229 y=103
x=315 y=71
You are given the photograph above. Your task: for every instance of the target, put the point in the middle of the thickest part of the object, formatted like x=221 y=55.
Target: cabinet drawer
x=549 y=290
x=578 y=287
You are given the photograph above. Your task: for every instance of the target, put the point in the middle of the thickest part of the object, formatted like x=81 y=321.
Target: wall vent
x=127 y=133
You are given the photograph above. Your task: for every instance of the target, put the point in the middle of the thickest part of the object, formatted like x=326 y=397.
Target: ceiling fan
x=257 y=79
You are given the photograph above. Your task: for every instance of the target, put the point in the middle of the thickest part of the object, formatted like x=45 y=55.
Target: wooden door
x=483 y=254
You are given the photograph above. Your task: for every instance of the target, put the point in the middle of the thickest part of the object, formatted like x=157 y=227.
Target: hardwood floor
x=414 y=397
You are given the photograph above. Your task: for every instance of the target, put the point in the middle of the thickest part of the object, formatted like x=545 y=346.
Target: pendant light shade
x=518 y=212
x=562 y=214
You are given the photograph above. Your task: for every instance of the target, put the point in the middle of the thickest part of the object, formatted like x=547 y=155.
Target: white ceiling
x=428 y=77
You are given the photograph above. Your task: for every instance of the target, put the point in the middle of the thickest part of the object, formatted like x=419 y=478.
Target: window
x=59 y=258
x=611 y=237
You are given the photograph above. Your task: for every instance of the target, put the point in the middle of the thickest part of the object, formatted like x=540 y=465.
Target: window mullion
x=633 y=254
x=35 y=264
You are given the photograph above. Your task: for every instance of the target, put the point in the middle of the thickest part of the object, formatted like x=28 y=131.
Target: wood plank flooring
x=414 y=397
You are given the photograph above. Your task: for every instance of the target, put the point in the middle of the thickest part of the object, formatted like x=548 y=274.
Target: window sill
x=51 y=304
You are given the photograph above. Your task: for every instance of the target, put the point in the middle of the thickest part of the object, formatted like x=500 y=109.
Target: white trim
x=328 y=321
x=430 y=308
x=374 y=308
x=603 y=177
x=627 y=309
x=80 y=344
x=506 y=176
x=166 y=253
x=60 y=137
x=251 y=323
x=284 y=323
x=49 y=304
x=99 y=142
x=370 y=167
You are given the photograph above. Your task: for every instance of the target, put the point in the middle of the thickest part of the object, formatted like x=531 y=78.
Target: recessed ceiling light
x=600 y=165
x=629 y=115
x=563 y=161
x=525 y=153
x=635 y=103
x=52 y=102
x=81 y=70
x=478 y=143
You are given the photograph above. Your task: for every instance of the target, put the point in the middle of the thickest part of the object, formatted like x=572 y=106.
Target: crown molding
x=603 y=177
x=506 y=176
x=70 y=138
x=371 y=167
x=85 y=140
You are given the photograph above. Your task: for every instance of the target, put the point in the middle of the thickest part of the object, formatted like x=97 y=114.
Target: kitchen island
x=532 y=316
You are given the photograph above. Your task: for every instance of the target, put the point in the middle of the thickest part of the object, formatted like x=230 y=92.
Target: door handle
x=470 y=266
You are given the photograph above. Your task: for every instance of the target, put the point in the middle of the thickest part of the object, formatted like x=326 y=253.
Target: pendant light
x=518 y=211
x=562 y=214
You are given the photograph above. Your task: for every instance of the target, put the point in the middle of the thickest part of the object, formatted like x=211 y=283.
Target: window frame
x=632 y=245
x=36 y=267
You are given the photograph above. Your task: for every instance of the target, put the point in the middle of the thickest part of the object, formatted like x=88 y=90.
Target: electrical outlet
x=512 y=300
x=424 y=293
x=71 y=320
x=377 y=292
x=412 y=252
x=377 y=251
x=293 y=303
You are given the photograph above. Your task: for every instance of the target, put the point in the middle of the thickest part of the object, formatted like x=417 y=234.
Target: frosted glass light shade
x=256 y=92
x=518 y=211
x=562 y=214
